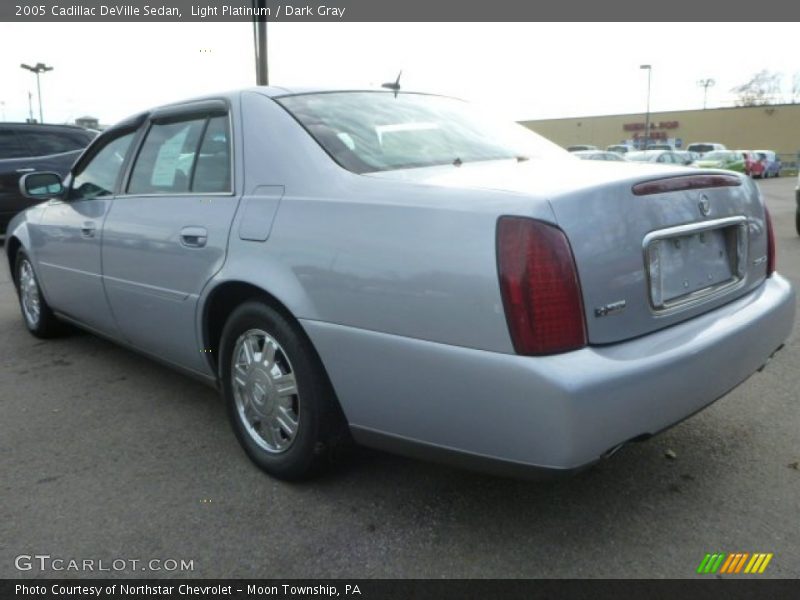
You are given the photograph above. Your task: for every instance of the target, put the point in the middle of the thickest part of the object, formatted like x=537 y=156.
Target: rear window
x=376 y=131
x=700 y=148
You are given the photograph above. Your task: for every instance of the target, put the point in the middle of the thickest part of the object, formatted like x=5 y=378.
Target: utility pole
x=260 y=41
x=647 y=114
x=37 y=69
x=705 y=84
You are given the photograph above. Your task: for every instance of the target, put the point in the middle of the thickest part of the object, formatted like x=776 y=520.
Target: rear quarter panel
x=389 y=256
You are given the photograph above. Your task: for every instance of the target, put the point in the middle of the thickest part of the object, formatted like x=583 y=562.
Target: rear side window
x=11 y=146
x=52 y=142
x=184 y=156
x=212 y=171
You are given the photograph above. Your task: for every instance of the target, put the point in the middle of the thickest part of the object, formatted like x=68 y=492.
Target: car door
x=167 y=235
x=68 y=238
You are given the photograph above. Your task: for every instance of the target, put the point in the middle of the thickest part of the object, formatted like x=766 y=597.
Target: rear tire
x=280 y=403
x=36 y=313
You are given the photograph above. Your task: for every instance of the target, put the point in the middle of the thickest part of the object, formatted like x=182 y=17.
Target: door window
x=184 y=156
x=11 y=146
x=99 y=176
x=164 y=164
x=52 y=142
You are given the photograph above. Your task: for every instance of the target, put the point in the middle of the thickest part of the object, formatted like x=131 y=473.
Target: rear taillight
x=540 y=287
x=770 y=243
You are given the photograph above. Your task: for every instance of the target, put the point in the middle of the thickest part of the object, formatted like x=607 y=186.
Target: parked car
x=396 y=267
x=703 y=147
x=581 y=147
x=722 y=159
x=26 y=147
x=797 y=200
x=621 y=148
x=599 y=155
x=753 y=163
x=772 y=163
x=669 y=147
x=655 y=156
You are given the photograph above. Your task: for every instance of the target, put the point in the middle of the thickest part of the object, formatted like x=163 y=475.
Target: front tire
x=36 y=313
x=278 y=397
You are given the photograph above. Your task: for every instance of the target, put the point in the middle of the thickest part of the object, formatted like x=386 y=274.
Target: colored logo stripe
x=734 y=563
x=710 y=563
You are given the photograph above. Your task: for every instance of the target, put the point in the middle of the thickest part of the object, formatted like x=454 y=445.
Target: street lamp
x=38 y=68
x=705 y=84
x=260 y=40
x=647 y=114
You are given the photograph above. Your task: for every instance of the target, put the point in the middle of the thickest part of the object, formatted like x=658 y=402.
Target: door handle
x=26 y=170
x=88 y=229
x=194 y=237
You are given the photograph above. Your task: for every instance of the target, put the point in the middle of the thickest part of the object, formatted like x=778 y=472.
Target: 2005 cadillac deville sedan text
x=403 y=269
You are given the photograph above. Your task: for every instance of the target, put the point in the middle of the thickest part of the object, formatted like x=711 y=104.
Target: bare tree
x=795 y=89
x=762 y=89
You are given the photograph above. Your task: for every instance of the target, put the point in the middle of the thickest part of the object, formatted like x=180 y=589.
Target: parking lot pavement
x=107 y=455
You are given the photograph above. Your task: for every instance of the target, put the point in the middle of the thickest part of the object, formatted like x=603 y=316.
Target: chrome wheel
x=265 y=391
x=29 y=294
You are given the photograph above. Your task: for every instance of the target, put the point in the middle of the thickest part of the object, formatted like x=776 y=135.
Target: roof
x=59 y=125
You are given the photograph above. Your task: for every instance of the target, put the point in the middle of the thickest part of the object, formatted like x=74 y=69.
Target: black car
x=28 y=147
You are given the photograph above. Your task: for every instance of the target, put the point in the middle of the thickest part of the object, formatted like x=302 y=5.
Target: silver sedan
x=399 y=269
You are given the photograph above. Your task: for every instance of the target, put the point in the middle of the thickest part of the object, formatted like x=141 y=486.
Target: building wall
x=774 y=127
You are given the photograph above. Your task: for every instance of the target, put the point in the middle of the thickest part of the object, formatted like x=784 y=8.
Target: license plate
x=689 y=263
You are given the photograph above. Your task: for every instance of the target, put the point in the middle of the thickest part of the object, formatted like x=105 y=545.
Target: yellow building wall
x=774 y=127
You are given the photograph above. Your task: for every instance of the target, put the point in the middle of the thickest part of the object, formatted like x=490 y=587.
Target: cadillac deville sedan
x=401 y=269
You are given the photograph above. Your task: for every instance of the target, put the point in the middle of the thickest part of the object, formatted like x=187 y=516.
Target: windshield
x=700 y=147
x=376 y=131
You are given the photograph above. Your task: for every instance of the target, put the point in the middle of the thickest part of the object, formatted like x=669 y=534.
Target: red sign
x=653 y=125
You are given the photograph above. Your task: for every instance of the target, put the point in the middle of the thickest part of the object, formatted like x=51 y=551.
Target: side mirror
x=41 y=186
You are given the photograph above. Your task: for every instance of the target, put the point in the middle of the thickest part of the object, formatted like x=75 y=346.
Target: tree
x=762 y=89
x=795 y=89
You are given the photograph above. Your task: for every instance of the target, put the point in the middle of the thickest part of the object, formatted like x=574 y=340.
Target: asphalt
x=106 y=455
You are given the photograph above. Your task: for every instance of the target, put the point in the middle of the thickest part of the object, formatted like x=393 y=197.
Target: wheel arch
x=13 y=246
x=222 y=300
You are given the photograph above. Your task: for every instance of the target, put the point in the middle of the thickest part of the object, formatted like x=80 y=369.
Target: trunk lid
x=644 y=261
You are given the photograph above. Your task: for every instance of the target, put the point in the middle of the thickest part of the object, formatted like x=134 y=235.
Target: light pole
x=260 y=41
x=647 y=114
x=705 y=84
x=38 y=68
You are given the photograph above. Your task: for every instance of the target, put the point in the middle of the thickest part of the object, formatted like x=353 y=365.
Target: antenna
x=394 y=86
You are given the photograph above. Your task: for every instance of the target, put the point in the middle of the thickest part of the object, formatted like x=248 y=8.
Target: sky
x=522 y=70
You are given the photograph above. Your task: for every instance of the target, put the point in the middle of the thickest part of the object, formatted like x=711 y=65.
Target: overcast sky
x=526 y=70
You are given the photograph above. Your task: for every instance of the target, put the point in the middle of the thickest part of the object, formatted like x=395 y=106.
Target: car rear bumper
x=560 y=412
